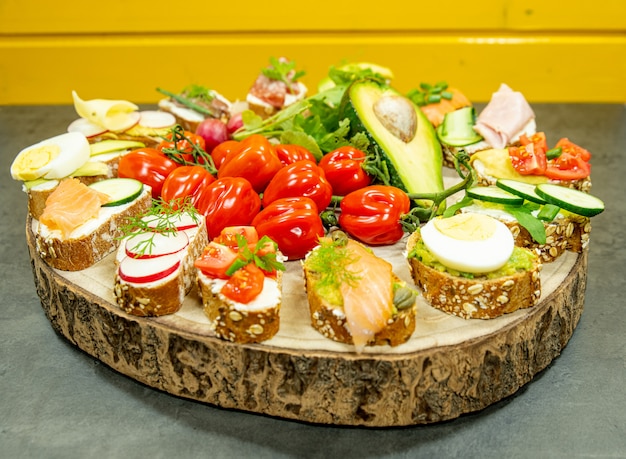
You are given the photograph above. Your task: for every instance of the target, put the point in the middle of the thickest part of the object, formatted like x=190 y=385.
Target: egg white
x=472 y=256
x=73 y=152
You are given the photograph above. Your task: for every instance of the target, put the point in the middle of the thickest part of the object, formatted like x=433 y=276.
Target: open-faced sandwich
x=548 y=219
x=108 y=119
x=155 y=261
x=355 y=297
x=276 y=87
x=468 y=265
x=240 y=284
x=81 y=224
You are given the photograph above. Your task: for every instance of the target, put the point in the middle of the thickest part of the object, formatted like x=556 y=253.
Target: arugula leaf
x=532 y=224
x=451 y=210
x=283 y=70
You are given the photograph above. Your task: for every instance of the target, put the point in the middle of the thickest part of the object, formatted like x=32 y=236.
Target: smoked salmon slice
x=70 y=205
x=367 y=303
x=437 y=111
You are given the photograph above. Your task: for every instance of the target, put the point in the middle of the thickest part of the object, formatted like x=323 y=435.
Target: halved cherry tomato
x=149 y=166
x=228 y=236
x=568 y=167
x=570 y=147
x=302 y=178
x=343 y=170
x=293 y=223
x=538 y=140
x=528 y=159
x=254 y=160
x=215 y=260
x=229 y=201
x=182 y=149
x=186 y=181
x=290 y=153
x=222 y=150
x=244 y=285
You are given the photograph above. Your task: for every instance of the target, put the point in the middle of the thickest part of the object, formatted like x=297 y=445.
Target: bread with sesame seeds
x=478 y=297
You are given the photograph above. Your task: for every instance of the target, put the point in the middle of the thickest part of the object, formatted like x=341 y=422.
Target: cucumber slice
x=457 y=128
x=521 y=189
x=494 y=194
x=570 y=199
x=121 y=190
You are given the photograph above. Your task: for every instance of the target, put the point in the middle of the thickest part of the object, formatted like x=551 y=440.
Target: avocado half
x=401 y=132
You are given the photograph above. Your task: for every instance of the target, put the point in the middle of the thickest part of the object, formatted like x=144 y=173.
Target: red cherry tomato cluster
x=279 y=189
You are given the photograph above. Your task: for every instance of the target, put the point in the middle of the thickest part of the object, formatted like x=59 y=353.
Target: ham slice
x=504 y=117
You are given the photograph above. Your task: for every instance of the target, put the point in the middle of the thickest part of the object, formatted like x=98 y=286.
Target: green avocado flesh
x=414 y=161
x=521 y=260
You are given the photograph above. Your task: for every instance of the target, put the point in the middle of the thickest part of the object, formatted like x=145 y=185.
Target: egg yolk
x=467 y=227
x=28 y=165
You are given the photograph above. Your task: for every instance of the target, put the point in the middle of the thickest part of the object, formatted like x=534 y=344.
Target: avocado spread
x=521 y=260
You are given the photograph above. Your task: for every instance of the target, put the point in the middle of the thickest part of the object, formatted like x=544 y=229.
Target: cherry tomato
x=254 y=160
x=302 y=178
x=245 y=284
x=228 y=201
x=372 y=214
x=228 y=236
x=149 y=166
x=293 y=223
x=570 y=147
x=343 y=170
x=568 y=167
x=186 y=181
x=215 y=260
x=181 y=148
x=528 y=159
x=289 y=153
x=538 y=140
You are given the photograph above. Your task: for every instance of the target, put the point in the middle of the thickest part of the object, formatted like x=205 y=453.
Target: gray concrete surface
x=57 y=402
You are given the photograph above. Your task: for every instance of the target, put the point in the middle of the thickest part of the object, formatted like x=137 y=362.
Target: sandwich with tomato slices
x=239 y=278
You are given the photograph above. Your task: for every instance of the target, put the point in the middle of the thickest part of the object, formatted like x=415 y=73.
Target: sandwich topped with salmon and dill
x=355 y=297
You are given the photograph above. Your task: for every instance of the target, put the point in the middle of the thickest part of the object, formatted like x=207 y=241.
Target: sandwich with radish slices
x=155 y=260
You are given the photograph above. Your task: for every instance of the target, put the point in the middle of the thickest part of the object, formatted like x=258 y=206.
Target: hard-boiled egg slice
x=468 y=242
x=53 y=158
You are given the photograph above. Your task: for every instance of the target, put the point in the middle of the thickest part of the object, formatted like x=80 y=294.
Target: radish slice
x=142 y=271
x=183 y=222
x=155 y=119
x=153 y=245
x=86 y=127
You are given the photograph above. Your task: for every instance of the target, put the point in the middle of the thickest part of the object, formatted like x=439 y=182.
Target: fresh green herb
x=330 y=261
x=267 y=261
x=429 y=94
x=554 y=153
x=188 y=102
x=177 y=154
x=196 y=91
x=161 y=218
x=527 y=220
x=283 y=70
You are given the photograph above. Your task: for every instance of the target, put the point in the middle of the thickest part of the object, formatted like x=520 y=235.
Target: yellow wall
x=124 y=49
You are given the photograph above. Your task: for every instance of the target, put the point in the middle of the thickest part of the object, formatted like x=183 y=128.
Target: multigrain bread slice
x=347 y=287
x=475 y=298
x=90 y=242
x=330 y=319
x=166 y=295
x=253 y=322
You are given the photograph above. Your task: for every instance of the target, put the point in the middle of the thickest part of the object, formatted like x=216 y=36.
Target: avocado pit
x=397 y=115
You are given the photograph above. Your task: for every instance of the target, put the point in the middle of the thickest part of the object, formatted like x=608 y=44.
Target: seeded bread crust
x=478 y=298
x=330 y=320
x=76 y=254
x=232 y=324
x=562 y=234
x=166 y=297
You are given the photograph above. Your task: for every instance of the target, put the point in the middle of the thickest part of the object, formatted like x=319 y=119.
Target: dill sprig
x=331 y=261
x=161 y=218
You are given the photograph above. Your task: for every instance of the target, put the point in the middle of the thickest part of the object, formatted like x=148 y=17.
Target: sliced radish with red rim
x=153 y=245
x=86 y=127
x=143 y=271
x=156 y=119
x=183 y=221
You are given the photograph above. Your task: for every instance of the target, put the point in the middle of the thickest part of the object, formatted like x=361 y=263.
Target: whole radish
x=213 y=131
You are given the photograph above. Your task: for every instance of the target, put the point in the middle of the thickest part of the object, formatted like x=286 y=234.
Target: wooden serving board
x=449 y=367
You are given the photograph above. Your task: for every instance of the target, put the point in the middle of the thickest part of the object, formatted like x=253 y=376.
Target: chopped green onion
x=554 y=153
x=548 y=212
